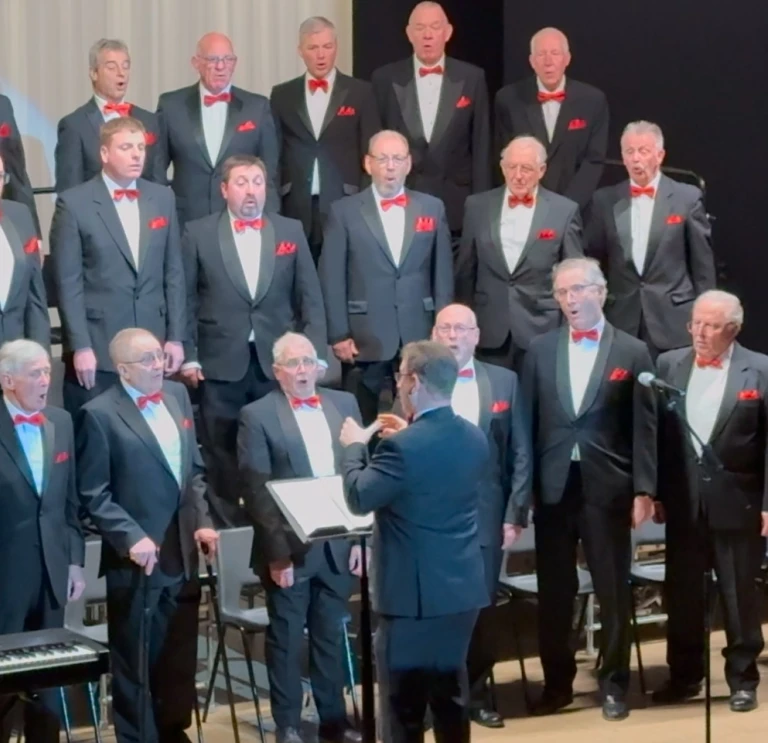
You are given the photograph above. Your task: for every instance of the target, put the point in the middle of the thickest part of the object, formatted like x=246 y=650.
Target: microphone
x=648 y=379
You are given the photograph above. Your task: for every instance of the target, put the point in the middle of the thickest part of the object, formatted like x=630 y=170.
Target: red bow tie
x=36 y=419
x=130 y=193
x=401 y=200
x=242 y=224
x=467 y=374
x=124 y=109
x=543 y=97
x=315 y=85
x=424 y=71
x=209 y=100
x=312 y=402
x=713 y=363
x=514 y=201
x=144 y=400
x=590 y=335
x=642 y=191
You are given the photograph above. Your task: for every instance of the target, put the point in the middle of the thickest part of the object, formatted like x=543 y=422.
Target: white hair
x=528 y=141
x=550 y=30
x=590 y=267
x=734 y=312
x=15 y=355
x=645 y=127
x=105 y=45
x=386 y=133
x=284 y=343
x=314 y=25
x=119 y=345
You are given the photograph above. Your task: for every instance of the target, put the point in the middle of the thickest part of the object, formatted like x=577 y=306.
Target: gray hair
x=645 y=127
x=314 y=25
x=550 y=30
x=387 y=133
x=15 y=355
x=529 y=141
x=734 y=312
x=434 y=365
x=590 y=267
x=105 y=45
x=285 y=341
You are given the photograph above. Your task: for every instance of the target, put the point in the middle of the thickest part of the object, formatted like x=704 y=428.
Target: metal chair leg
x=65 y=713
x=228 y=682
x=212 y=681
x=252 y=679
x=636 y=636
x=94 y=712
x=492 y=691
x=521 y=660
x=198 y=723
x=350 y=669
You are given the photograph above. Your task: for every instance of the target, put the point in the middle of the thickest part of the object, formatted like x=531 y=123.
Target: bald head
x=122 y=345
x=428 y=10
x=215 y=62
x=139 y=359
x=388 y=162
x=456 y=328
x=428 y=31
x=384 y=138
x=550 y=56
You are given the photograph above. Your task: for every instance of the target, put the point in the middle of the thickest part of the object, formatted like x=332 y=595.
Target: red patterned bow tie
x=130 y=193
x=401 y=200
x=312 y=402
x=635 y=191
x=36 y=419
x=315 y=85
x=241 y=225
x=124 y=109
x=590 y=335
x=514 y=201
x=467 y=374
x=144 y=400
x=544 y=97
x=712 y=363
x=209 y=100
x=424 y=71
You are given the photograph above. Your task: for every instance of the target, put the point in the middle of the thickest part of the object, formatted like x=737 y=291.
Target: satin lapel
x=563 y=374
x=333 y=416
x=194 y=109
x=485 y=395
x=338 y=94
x=145 y=211
x=96 y=119
x=622 y=217
x=234 y=107
x=297 y=452
x=49 y=452
x=495 y=206
x=108 y=213
x=539 y=221
x=266 y=260
x=296 y=92
x=662 y=208
x=408 y=100
x=409 y=229
x=450 y=92
x=738 y=379
x=370 y=214
x=596 y=379
x=17 y=248
x=10 y=441
x=231 y=259
x=172 y=404
x=535 y=114
x=680 y=375
x=561 y=124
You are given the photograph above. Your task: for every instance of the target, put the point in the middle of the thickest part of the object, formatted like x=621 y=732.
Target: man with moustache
x=116 y=264
x=571 y=117
x=385 y=270
x=18 y=188
x=325 y=119
x=204 y=124
x=42 y=545
x=653 y=239
x=151 y=527
x=594 y=459
x=512 y=238
x=250 y=278
x=441 y=105
x=294 y=432
x=77 y=155
x=722 y=519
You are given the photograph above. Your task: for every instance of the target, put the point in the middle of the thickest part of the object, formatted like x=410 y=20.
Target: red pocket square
x=285 y=248
x=749 y=395
x=246 y=126
x=62 y=456
x=346 y=111
x=5 y=129
x=32 y=246
x=463 y=102
x=547 y=234
x=187 y=423
x=619 y=375
x=674 y=219
x=499 y=406
x=150 y=138
x=574 y=124
x=158 y=223
x=425 y=224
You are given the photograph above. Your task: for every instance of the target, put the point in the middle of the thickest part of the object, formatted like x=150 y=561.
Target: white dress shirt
x=640 y=220
x=128 y=214
x=31 y=440
x=465 y=400
x=7 y=262
x=248 y=244
x=704 y=397
x=428 y=93
x=214 y=119
x=164 y=429
x=317 y=106
x=581 y=362
x=550 y=109
x=393 y=222
x=316 y=435
x=514 y=229
x=101 y=102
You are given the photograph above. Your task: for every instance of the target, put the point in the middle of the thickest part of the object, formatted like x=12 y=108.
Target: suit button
x=136 y=296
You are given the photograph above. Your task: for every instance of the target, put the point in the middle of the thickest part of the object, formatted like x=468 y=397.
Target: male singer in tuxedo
x=18 y=186
x=116 y=263
x=652 y=236
x=512 y=238
x=720 y=519
x=141 y=481
x=294 y=432
x=570 y=116
x=42 y=545
x=427 y=562
x=77 y=155
x=487 y=396
x=594 y=454
x=441 y=105
x=325 y=120
x=250 y=278
x=204 y=124
x=385 y=270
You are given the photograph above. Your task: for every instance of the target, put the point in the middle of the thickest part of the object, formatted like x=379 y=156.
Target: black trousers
x=420 y=662
x=366 y=380
x=318 y=600
x=220 y=405
x=507 y=355
x=75 y=396
x=32 y=607
x=736 y=557
x=605 y=537
x=315 y=236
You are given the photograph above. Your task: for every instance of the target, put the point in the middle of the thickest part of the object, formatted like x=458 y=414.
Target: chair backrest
x=95 y=586
x=233 y=566
x=525 y=543
x=649 y=533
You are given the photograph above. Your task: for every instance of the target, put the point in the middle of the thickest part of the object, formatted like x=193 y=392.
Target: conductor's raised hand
x=144 y=554
x=391 y=424
x=352 y=433
x=208 y=541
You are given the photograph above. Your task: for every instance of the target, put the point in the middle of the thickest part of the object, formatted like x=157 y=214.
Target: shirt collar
x=101 y=102
x=724 y=357
x=428 y=410
x=471 y=366
x=378 y=197
x=232 y=217
x=330 y=77
x=14 y=410
x=508 y=193
x=112 y=186
x=654 y=184
x=417 y=63
x=204 y=91
x=600 y=328
x=133 y=393
x=544 y=89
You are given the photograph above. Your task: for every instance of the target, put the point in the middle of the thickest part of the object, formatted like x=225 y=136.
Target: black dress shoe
x=743 y=701
x=551 y=702
x=338 y=733
x=676 y=691
x=614 y=708
x=173 y=735
x=288 y=735
x=488 y=718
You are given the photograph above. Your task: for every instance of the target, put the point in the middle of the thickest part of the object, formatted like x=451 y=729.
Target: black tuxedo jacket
x=127 y=486
x=456 y=160
x=679 y=264
x=222 y=312
x=422 y=485
x=77 y=156
x=249 y=130
x=100 y=289
x=33 y=524
x=736 y=495
x=367 y=297
x=350 y=121
x=615 y=427
x=25 y=313
x=577 y=151
x=520 y=303
x=270 y=447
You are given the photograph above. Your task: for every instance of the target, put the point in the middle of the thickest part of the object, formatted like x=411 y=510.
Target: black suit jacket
x=222 y=312
x=127 y=486
x=456 y=160
x=77 y=156
x=32 y=524
x=367 y=297
x=736 y=495
x=25 y=313
x=577 y=151
x=615 y=427
x=422 y=485
x=100 y=289
x=679 y=264
x=520 y=303
x=249 y=130
x=270 y=447
x=350 y=121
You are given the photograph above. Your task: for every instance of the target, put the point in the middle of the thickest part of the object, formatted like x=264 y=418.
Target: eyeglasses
x=577 y=290
x=306 y=361
x=146 y=360
x=384 y=160
x=214 y=61
x=458 y=328
x=400 y=376
x=707 y=327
